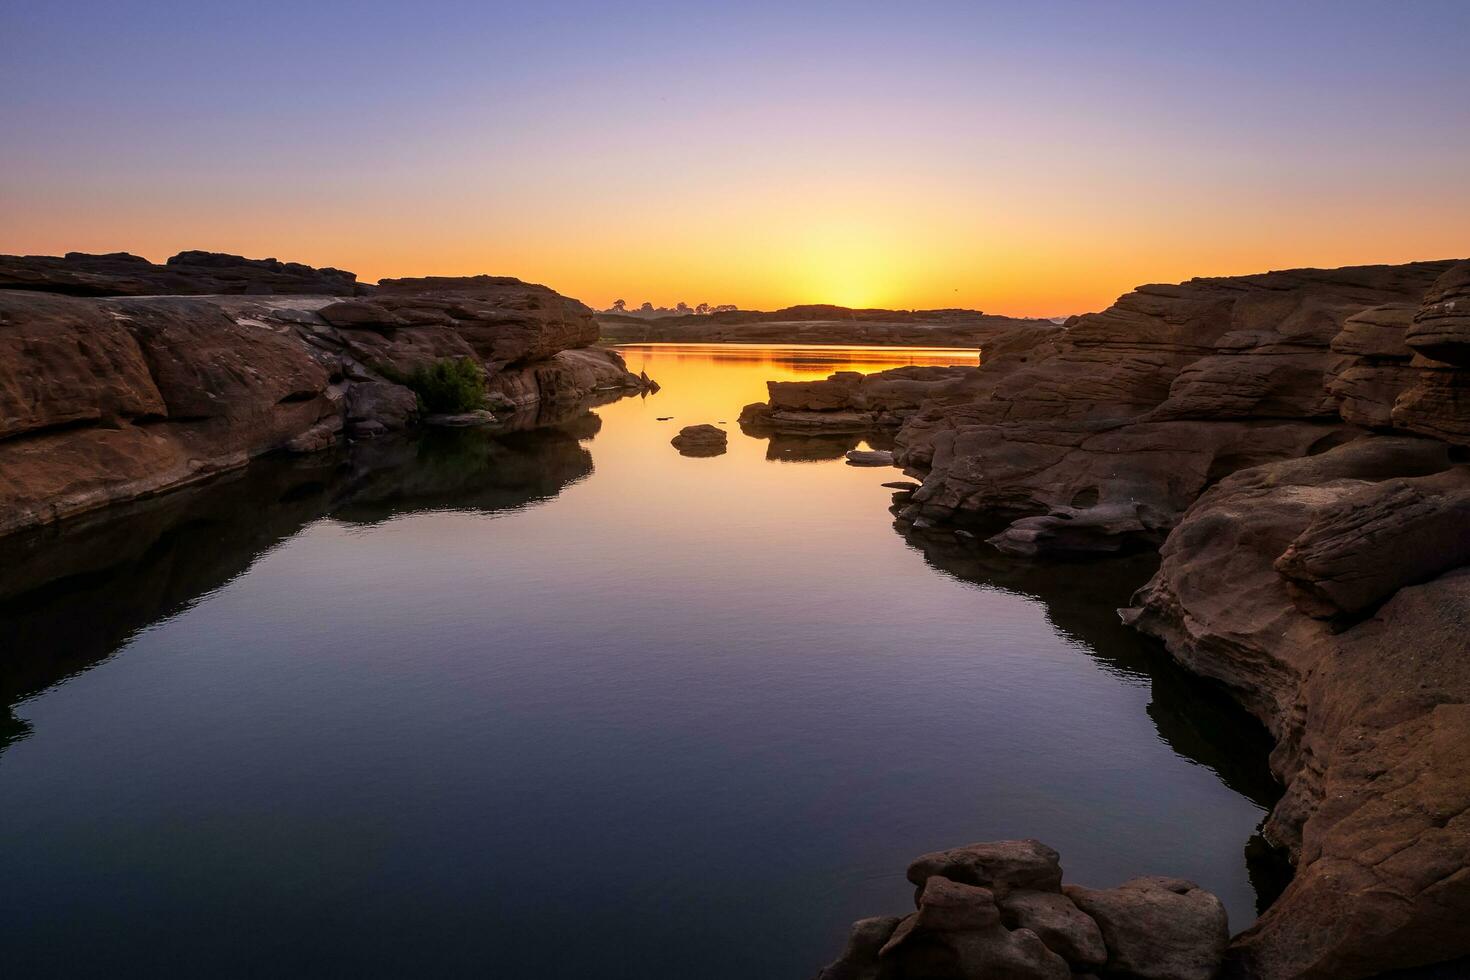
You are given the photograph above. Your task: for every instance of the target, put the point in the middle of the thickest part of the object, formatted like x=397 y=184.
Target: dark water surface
x=567 y=704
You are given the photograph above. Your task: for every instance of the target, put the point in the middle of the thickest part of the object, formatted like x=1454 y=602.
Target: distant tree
x=619 y=305
x=683 y=309
x=702 y=309
x=646 y=308
x=725 y=308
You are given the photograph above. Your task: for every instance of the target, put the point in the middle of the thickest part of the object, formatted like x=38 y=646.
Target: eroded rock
x=1001 y=866
x=1023 y=925
x=1157 y=928
x=701 y=440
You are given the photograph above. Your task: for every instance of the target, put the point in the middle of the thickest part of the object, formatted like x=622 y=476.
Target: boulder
x=1157 y=928
x=859 y=960
x=376 y=408
x=1001 y=866
x=957 y=932
x=700 y=440
x=1145 y=929
x=505 y=320
x=1355 y=555
x=869 y=457
x=1064 y=928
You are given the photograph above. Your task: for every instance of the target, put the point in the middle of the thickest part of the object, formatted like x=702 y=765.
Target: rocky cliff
x=1295 y=444
x=112 y=398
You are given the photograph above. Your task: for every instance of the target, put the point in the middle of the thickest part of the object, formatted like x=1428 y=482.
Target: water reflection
x=807 y=360
x=71 y=595
x=729 y=680
x=1196 y=719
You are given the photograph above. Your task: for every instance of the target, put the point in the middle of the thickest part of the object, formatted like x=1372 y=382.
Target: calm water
x=567 y=704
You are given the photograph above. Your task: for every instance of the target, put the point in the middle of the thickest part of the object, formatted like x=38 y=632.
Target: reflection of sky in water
x=687 y=711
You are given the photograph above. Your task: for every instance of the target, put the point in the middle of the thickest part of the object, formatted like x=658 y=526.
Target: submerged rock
x=869 y=457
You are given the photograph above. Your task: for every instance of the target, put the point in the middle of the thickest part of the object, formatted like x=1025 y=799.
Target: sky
x=1024 y=158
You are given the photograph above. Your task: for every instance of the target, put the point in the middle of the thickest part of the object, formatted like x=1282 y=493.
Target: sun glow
x=848 y=262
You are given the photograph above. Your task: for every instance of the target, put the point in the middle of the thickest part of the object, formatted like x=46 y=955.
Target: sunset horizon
x=668 y=489
x=1027 y=163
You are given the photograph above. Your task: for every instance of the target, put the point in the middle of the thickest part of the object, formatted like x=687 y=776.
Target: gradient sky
x=1035 y=158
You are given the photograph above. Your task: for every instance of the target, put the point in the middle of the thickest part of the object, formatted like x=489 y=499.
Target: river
x=564 y=703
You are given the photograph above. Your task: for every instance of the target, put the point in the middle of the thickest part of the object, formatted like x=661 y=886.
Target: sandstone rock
x=568 y=376
x=1396 y=533
x=65 y=362
x=869 y=457
x=459 y=420
x=360 y=313
x=815 y=396
x=1139 y=408
x=859 y=960
x=957 y=932
x=1001 y=866
x=505 y=320
x=700 y=440
x=1157 y=928
x=378 y=407
x=1441 y=328
x=1364 y=715
x=118 y=398
x=1056 y=920
x=188 y=273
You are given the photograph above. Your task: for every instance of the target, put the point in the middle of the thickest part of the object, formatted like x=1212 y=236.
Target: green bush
x=447 y=387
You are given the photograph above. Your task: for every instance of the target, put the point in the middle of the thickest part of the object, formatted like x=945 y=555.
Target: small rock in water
x=480 y=417
x=700 y=440
x=664 y=418
x=869 y=457
x=902 y=485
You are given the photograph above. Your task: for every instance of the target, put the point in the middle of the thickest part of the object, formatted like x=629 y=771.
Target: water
x=567 y=704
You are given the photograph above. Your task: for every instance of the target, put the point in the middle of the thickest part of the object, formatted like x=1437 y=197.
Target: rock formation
x=849 y=401
x=188 y=273
x=701 y=440
x=108 y=399
x=999 y=909
x=1295 y=444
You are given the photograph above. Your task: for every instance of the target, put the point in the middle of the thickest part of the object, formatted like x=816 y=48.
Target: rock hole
x=1086 y=498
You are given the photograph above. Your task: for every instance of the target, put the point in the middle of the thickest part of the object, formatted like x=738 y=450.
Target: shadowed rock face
x=188 y=273
x=1105 y=441
x=1365 y=707
x=107 y=400
x=1295 y=444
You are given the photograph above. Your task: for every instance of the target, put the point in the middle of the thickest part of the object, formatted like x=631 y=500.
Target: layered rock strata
x=108 y=399
x=1297 y=446
x=192 y=273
